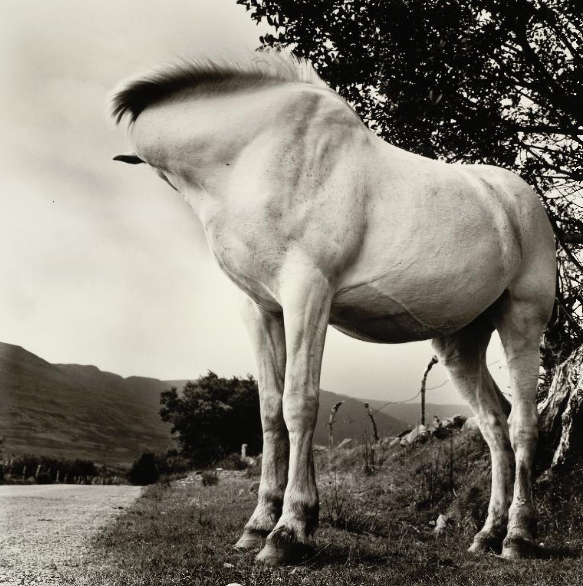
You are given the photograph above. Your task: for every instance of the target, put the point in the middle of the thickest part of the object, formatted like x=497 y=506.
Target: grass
x=374 y=529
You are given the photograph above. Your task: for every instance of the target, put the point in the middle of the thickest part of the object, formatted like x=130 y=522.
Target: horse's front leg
x=267 y=336
x=306 y=310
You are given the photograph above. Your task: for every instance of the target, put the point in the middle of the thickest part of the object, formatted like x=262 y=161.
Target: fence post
x=434 y=360
x=333 y=412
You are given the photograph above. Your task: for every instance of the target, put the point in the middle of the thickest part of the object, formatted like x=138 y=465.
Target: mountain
x=410 y=413
x=75 y=411
x=351 y=420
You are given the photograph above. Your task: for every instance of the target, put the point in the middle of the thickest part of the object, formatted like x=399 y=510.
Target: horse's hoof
x=518 y=548
x=485 y=544
x=479 y=547
x=249 y=540
x=272 y=555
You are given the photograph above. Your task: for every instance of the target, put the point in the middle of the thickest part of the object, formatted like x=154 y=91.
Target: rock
x=386 y=442
x=459 y=420
x=319 y=448
x=416 y=435
x=394 y=442
x=437 y=430
x=345 y=444
x=441 y=525
x=228 y=565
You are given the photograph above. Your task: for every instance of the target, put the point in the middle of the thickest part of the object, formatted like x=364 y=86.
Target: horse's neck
x=199 y=138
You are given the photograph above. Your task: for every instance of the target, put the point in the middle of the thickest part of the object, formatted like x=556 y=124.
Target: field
x=375 y=529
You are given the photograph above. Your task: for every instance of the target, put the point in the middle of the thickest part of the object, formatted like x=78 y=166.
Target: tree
x=213 y=417
x=475 y=81
x=144 y=470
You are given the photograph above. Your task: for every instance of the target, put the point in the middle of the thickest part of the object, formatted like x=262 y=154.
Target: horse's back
x=415 y=244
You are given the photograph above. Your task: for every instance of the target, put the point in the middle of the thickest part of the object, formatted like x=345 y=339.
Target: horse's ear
x=130 y=158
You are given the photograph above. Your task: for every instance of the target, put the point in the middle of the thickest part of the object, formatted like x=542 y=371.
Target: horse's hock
x=561 y=413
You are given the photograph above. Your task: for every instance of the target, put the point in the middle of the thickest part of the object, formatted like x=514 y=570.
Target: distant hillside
x=411 y=412
x=351 y=421
x=77 y=411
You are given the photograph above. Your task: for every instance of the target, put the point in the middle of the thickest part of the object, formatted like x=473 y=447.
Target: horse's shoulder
x=496 y=175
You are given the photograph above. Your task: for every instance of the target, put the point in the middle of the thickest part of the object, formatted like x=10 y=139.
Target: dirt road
x=46 y=529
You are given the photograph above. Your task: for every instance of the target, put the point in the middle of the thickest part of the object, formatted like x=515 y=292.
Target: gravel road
x=46 y=529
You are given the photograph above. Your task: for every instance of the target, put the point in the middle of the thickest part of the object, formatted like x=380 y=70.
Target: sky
x=102 y=263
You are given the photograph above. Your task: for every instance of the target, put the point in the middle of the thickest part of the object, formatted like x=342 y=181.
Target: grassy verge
x=374 y=530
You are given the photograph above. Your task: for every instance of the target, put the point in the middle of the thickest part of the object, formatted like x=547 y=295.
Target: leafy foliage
x=171 y=463
x=210 y=478
x=44 y=478
x=58 y=469
x=474 y=81
x=214 y=416
x=144 y=470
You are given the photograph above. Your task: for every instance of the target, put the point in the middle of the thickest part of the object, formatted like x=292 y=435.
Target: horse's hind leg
x=520 y=317
x=268 y=338
x=464 y=356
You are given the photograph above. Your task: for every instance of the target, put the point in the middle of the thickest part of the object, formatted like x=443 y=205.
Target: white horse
x=320 y=222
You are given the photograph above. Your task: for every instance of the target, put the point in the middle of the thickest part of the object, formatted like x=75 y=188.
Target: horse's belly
x=373 y=314
x=384 y=329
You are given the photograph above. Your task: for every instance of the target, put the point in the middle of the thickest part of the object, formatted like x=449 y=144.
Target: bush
x=172 y=463
x=44 y=478
x=254 y=471
x=232 y=462
x=144 y=470
x=213 y=416
x=210 y=478
x=25 y=466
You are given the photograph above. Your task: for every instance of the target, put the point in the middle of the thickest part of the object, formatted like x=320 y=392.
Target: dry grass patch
x=374 y=530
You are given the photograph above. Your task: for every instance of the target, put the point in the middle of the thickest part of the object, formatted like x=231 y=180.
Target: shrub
x=25 y=466
x=172 y=463
x=255 y=470
x=210 y=478
x=233 y=462
x=44 y=478
x=144 y=470
x=213 y=416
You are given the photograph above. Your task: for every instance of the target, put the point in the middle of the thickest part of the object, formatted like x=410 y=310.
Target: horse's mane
x=207 y=76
